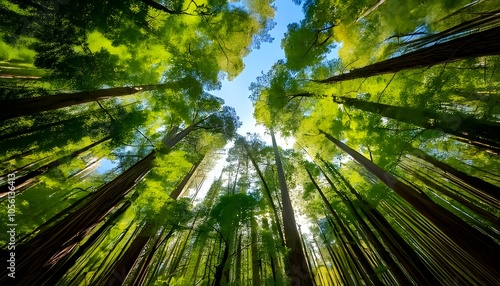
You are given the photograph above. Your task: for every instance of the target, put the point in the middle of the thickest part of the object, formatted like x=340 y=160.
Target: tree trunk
x=180 y=187
x=255 y=254
x=480 y=247
x=68 y=263
x=451 y=194
x=298 y=272
x=45 y=250
x=481 y=133
x=34 y=129
x=405 y=254
x=237 y=268
x=361 y=258
x=481 y=189
x=478 y=44
x=267 y=191
x=122 y=268
x=219 y=278
x=387 y=258
x=26 y=106
x=21 y=181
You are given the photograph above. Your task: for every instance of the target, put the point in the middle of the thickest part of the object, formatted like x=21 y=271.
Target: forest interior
x=250 y=142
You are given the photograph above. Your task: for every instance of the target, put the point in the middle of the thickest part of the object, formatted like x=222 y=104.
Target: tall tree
x=27 y=106
x=298 y=269
x=477 y=132
x=73 y=228
x=476 y=244
x=469 y=46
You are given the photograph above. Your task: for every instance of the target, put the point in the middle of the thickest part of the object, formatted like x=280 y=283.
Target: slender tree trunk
x=481 y=133
x=361 y=258
x=27 y=106
x=34 y=129
x=328 y=273
x=480 y=247
x=68 y=263
x=299 y=272
x=478 y=186
x=451 y=194
x=405 y=254
x=180 y=187
x=237 y=268
x=45 y=250
x=142 y=272
x=27 y=166
x=474 y=45
x=20 y=181
x=123 y=267
x=387 y=258
x=219 y=272
x=267 y=191
x=255 y=254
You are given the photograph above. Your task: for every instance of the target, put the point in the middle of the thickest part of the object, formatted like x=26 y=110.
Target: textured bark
x=69 y=262
x=480 y=247
x=481 y=133
x=27 y=106
x=299 y=272
x=474 y=45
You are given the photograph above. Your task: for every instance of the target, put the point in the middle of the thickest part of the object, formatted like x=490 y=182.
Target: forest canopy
x=122 y=164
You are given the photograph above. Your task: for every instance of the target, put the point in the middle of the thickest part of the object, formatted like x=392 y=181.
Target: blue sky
x=236 y=92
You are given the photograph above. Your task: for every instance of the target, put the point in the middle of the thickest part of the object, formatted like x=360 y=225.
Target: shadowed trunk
x=46 y=249
x=361 y=260
x=481 y=189
x=21 y=181
x=474 y=45
x=298 y=272
x=480 y=247
x=26 y=106
x=481 y=133
x=267 y=191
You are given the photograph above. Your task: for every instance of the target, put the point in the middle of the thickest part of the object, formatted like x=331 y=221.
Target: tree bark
x=478 y=44
x=27 y=106
x=481 y=133
x=299 y=272
x=255 y=254
x=480 y=247
x=180 y=187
